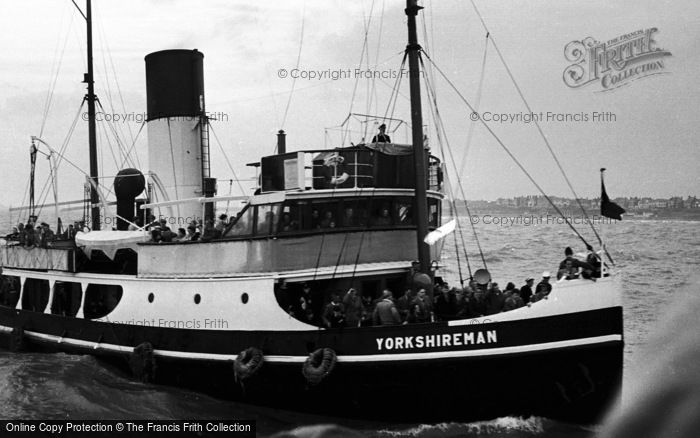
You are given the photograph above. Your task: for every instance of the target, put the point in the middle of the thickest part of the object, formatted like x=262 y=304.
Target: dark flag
x=607 y=207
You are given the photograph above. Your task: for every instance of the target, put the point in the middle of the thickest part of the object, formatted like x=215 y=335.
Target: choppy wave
x=656 y=259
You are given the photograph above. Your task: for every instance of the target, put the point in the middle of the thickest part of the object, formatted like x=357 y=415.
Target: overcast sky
x=650 y=148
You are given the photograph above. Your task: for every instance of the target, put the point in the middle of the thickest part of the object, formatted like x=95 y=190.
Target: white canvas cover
x=109 y=241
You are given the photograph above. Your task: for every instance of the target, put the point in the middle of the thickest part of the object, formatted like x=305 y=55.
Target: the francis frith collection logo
x=616 y=62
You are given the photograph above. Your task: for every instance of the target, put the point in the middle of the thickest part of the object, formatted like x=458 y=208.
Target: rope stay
x=440 y=127
x=228 y=162
x=294 y=80
x=510 y=154
x=477 y=105
x=539 y=127
x=364 y=50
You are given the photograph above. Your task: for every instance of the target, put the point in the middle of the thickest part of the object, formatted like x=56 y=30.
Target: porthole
x=151 y=297
x=197 y=298
x=244 y=298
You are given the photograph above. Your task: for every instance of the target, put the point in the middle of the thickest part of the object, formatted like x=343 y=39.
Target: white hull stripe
x=346 y=358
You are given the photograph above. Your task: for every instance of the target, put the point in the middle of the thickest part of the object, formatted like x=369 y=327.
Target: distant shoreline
x=687 y=214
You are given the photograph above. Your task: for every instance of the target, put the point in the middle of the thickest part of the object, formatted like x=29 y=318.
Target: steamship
x=217 y=313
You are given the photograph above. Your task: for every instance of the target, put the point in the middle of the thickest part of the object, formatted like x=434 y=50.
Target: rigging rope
x=357 y=79
x=477 y=105
x=440 y=127
x=133 y=145
x=294 y=80
x=541 y=132
x=510 y=154
x=44 y=194
x=240 y=186
x=54 y=73
x=372 y=92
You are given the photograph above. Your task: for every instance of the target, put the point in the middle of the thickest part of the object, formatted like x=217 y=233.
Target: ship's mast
x=413 y=50
x=92 y=136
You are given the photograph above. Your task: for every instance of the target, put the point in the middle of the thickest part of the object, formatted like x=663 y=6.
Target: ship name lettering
x=441 y=340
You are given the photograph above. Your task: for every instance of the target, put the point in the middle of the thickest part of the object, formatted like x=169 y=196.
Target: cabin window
x=381 y=213
x=434 y=212
x=66 y=298
x=101 y=299
x=36 y=294
x=324 y=215
x=403 y=211
x=291 y=217
x=267 y=218
x=354 y=213
x=9 y=290
x=243 y=226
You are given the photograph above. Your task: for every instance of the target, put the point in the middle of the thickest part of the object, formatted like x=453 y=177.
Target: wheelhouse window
x=9 y=290
x=101 y=299
x=36 y=294
x=66 y=298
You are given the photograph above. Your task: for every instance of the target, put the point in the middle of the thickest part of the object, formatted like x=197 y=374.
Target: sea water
x=657 y=259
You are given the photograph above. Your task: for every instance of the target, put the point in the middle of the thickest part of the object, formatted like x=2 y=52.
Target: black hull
x=574 y=383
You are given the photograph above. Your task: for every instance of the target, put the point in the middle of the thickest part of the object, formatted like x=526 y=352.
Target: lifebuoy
x=143 y=362
x=17 y=339
x=319 y=365
x=247 y=363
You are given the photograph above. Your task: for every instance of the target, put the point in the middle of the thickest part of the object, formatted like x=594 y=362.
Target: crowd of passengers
x=196 y=230
x=229 y=226
x=352 y=309
x=34 y=234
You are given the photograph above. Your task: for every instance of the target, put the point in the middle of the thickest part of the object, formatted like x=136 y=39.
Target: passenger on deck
x=328 y=221
x=334 y=315
x=514 y=301
x=30 y=235
x=315 y=219
x=593 y=259
x=569 y=267
x=42 y=235
x=181 y=234
x=543 y=288
x=425 y=311
x=288 y=224
x=384 y=218
x=354 y=309
x=156 y=235
x=349 y=219
x=313 y=303
x=464 y=303
x=526 y=289
x=494 y=299
x=192 y=234
x=166 y=235
x=209 y=232
x=385 y=312
x=221 y=223
x=21 y=234
x=445 y=307
x=382 y=137
x=403 y=304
